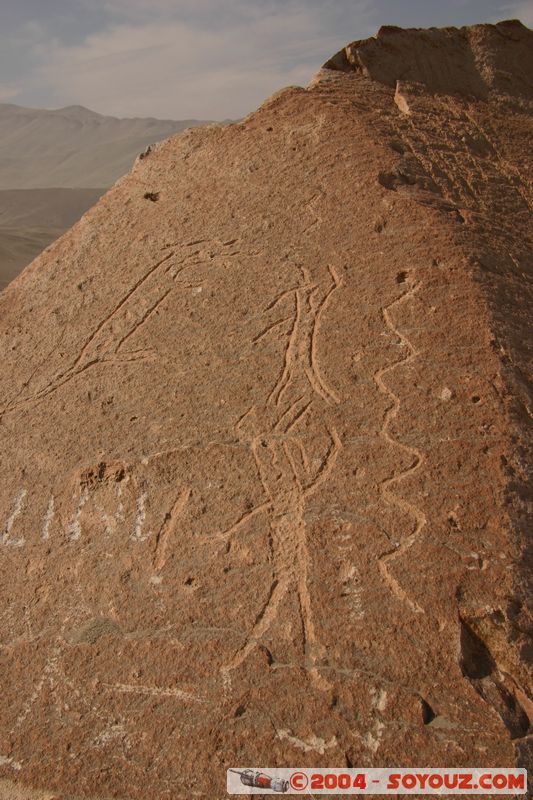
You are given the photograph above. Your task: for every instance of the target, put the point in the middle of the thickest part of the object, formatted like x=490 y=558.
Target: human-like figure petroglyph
x=287 y=474
x=301 y=362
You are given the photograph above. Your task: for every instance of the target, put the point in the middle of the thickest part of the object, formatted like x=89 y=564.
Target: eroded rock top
x=471 y=61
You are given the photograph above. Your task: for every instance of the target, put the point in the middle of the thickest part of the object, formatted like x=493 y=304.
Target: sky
x=195 y=59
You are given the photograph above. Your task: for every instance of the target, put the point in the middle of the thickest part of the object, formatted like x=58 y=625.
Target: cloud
x=192 y=59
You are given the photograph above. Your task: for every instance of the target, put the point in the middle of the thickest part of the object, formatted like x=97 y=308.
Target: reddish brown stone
x=265 y=441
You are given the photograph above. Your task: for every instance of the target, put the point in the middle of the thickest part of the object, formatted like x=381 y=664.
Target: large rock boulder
x=264 y=440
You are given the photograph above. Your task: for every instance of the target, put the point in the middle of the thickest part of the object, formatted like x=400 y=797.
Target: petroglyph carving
x=6 y=761
x=286 y=472
x=16 y=511
x=301 y=358
x=350 y=580
x=50 y=669
x=313 y=744
x=167 y=529
x=74 y=528
x=154 y=691
x=140 y=517
x=417 y=458
x=47 y=521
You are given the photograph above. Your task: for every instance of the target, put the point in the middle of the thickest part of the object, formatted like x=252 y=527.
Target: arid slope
x=31 y=219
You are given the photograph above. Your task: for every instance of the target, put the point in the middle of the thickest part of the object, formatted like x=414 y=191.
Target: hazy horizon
x=93 y=111
x=195 y=59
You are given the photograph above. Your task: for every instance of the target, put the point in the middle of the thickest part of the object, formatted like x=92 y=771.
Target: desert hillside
x=30 y=220
x=266 y=441
x=69 y=148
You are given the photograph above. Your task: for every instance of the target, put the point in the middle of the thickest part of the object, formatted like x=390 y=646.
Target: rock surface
x=265 y=441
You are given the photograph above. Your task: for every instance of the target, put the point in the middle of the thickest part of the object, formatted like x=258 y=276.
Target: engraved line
x=167 y=529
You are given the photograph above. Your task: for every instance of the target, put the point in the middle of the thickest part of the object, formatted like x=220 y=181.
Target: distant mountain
x=72 y=147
